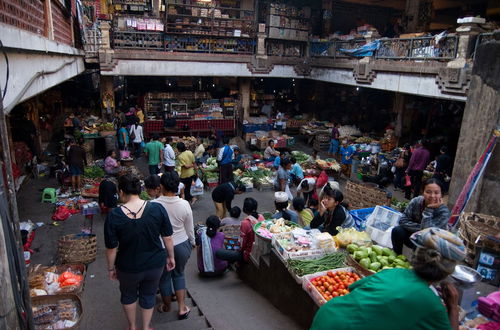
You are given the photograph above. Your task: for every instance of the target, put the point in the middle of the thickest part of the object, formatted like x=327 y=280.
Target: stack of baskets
x=474 y=226
x=322 y=142
x=77 y=248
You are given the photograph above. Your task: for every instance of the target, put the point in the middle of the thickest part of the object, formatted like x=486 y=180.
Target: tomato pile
x=334 y=284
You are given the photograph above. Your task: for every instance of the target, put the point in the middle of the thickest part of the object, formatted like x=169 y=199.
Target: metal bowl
x=466 y=275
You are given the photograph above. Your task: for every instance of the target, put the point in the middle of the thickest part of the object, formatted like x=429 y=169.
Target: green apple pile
x=377 y=258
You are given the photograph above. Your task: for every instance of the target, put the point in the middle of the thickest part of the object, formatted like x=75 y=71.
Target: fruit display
x=377 y=258
x=325 y=286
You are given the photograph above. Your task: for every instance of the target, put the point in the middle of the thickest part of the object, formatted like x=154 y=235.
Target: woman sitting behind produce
x=282 y=211
x=423 y=212
x=332 y=213
x=208 y=242
x=237 y=164
x=111 y=165
x=402 y=298
x=305 y=214
x=270 y=153
x=247 y=235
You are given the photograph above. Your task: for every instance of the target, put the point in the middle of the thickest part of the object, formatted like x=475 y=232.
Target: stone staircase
x=169 y=320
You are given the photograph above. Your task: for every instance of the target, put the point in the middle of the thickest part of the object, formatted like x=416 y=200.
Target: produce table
x=272 y=280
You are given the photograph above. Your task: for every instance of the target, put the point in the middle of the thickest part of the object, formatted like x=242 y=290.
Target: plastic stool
x=49 y=195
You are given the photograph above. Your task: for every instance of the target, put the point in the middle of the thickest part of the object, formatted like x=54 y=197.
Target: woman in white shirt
x=138 y=138
x=181 y=218
x=169 y=156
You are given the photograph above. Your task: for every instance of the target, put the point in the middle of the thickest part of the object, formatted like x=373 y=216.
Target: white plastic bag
x=197 y=188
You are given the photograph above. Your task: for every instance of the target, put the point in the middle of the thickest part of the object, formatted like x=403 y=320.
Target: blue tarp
x=365 y=50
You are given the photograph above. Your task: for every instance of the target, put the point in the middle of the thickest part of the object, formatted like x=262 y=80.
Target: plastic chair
x=49 y=195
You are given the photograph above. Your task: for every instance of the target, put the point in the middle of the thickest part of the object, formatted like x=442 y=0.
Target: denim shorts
x=75 y=170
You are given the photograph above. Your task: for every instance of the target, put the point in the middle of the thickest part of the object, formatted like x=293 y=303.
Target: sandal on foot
x=162 y=308
x=185 y=315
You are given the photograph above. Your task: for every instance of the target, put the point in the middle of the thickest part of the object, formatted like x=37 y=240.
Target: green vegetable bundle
x=328 y=262
x=93 y=172
x=300 y=156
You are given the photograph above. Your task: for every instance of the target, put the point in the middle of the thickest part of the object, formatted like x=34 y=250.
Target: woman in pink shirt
x=111 y=165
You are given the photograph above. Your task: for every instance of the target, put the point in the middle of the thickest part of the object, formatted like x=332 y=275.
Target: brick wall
x=23 y=14
x=62 y=23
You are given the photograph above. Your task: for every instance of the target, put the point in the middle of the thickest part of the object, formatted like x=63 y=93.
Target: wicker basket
x=473 y=225
x=53 y=300
x=351 y=262
x=77 y=249
x=361 y=196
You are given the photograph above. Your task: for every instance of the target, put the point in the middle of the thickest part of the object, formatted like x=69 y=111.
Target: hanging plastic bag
x=407 y=181
x=197 y=188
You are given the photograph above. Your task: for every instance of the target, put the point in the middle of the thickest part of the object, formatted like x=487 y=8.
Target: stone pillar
x=481 y=117
x=105 y=35
x=417 y=15
x=107 y=97
x=399 y=108
x=467 y=33
x=244 y=91
x=261 y=42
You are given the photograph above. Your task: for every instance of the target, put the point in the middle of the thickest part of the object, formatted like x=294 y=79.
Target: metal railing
x=209 y=44
x=409 y=49
x=332 y=48
x=138 y=40
x=418 y=48
x=481 y=39
x=93 y=41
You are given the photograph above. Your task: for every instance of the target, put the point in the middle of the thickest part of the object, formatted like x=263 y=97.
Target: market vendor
x=237 y=160
x=199 y=151
x=332 y=213
x=225 y=158
x=402 y=298
x=270 y=153
x=111 y=165
x=296 y=172
x=334 y=141
x=307 y=188
x=346 y=153
x=282 y=211
x=123 y=137
x=281 y=182
x=422 y=212
x=314 y=156
x=223 y=196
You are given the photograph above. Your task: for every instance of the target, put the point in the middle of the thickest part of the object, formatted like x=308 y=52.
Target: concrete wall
x=403 y=82
x=481 y=117
x=35 y=64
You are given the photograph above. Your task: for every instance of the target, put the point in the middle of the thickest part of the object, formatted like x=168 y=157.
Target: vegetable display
x=329 y=261
x=268 y=228
x=334 y=284
x=325 y=165
x=300 y=156
x=211 y=164
x=93 y=172
x=377 y=258
x=348 y=236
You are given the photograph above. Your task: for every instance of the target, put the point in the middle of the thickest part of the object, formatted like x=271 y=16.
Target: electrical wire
x=7 y=74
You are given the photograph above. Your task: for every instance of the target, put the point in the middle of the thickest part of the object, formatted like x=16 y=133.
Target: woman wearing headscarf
x=402 y=298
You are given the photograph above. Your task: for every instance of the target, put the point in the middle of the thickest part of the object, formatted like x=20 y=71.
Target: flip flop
x=185 y=315
x=161 y=309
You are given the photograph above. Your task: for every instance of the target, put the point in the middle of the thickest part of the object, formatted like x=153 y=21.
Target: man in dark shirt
x=443 y=168
x=223 y=195
x=77 y=159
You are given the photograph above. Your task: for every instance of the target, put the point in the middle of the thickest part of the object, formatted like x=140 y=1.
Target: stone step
x=194 y=322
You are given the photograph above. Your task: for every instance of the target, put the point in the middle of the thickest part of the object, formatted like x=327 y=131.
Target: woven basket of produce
x=64 y=311
x=474 y=225
x=360 y=196
x=77 y=248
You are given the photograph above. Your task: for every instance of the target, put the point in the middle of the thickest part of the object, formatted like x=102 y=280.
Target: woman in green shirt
x=402 y=298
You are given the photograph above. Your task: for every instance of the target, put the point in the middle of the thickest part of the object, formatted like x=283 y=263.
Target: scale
x=465 y=279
